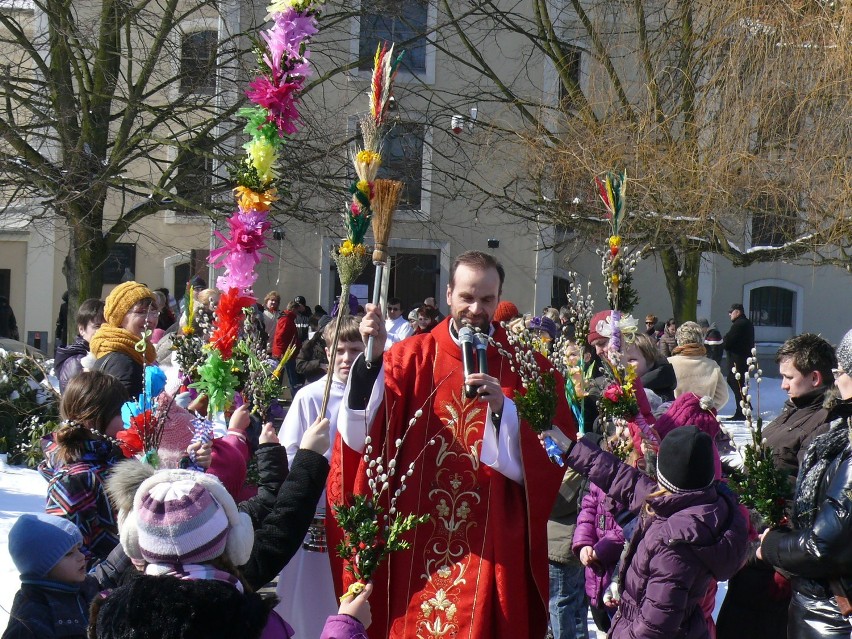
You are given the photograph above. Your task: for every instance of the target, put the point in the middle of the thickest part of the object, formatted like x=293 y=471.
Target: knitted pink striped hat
x=186 y=517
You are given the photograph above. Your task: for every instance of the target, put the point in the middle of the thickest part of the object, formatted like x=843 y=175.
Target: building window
x=402 y=22
x=773 y=222
x=198 y=62
x=559 y=292
x=194 y=180
x=772 y=306
x=570 y=70
x=402 y=159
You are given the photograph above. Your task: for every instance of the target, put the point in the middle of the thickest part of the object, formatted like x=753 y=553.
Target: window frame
x=419 y=212
x=404 y=75
x=210 y=85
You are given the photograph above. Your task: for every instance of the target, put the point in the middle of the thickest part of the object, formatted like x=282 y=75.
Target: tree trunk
x=682 y=282
x=84 y=265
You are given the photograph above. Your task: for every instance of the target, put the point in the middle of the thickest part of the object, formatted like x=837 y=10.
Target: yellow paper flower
x=615 y=241
x=348 y=248
x=615 y=279
x=368 y=157
x=249 y=200
x=262 y=156
x=364 y=187
x=281 y=6
x=367 y=165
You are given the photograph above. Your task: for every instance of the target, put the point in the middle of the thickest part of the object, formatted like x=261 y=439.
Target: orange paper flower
x=249 y=200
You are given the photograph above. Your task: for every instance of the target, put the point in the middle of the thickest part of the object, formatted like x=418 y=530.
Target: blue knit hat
x=38 y=542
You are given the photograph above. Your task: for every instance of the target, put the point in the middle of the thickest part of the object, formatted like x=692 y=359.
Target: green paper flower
x=217 y=381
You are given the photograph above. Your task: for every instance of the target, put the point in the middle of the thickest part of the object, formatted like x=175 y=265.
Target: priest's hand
x=489 y=390
x=373 y=324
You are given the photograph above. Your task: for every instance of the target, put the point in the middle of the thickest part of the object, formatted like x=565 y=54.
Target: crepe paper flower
x=284 y=43
x=217 y=381
x=229 y=320
x=242 y=279
x=258 y=124
x=281 y=6
x=249 y=200
x=130 y=442
x=367 y=165
x=246 y=236
x=154 y=384
x=348 y=248
x=279 y=100
x=262 y=157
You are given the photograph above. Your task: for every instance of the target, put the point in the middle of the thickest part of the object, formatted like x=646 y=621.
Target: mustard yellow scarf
x=111 y=339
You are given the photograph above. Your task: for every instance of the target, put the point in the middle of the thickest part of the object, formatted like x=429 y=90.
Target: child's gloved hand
x=268 y=434
x=612 y=595
x=316 y=438
x=358 y=607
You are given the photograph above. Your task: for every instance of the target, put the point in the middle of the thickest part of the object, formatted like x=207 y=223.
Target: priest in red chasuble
x=478 y=568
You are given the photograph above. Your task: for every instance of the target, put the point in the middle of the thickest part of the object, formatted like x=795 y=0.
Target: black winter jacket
x=168 y=608
x=662 y=380
x=42 y=612
x=311 y=357
x=790 y=434
x=822 y=553
x=738 y=342
x=125 y=368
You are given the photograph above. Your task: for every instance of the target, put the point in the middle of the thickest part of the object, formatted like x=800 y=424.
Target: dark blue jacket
x=47 y=610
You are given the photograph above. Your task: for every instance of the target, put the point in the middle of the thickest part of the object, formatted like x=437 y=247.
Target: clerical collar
x=454 y=333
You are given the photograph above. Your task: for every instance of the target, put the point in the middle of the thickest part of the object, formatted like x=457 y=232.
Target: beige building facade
x=445 y=150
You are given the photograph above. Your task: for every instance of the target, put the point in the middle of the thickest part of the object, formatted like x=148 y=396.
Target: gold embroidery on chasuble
x=454 y=500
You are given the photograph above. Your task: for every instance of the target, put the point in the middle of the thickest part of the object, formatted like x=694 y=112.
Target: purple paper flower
x=284 y=41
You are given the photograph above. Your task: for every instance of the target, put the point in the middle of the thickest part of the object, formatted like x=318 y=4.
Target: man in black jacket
x=806 y=363
x=738 y=342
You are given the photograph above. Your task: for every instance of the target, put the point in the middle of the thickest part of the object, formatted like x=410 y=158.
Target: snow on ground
x=23 y=490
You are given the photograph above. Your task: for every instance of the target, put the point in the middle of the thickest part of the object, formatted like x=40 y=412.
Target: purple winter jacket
x=343 y=627
x=596 y=527
x=691 y=538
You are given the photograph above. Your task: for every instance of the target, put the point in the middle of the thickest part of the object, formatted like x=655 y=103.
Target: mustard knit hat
x=122 y=298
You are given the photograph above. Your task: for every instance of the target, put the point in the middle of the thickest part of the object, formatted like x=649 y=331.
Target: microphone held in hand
x=466 y=342
x=481 y=352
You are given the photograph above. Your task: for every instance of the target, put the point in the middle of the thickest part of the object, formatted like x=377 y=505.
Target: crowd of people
x=631 y=522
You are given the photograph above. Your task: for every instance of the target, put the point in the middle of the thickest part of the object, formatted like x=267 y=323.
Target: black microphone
x=466 y=344
x=481 y=348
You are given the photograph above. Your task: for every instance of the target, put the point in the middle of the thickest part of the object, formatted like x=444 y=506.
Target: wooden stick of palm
x=386 y=194
x=342 y=310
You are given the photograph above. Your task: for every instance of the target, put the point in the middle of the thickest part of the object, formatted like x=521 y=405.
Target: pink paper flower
x=613 y=393
x=279 y=100
x=246 y=236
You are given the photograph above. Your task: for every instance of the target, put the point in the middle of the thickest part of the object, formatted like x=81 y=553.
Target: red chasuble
x=478 y=568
